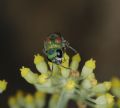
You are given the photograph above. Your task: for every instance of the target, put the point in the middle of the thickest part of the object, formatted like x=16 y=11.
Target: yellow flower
x=90 y=64
x=38 y=59
x=43 y=78
x=3 y=85
x=70 y=85
x=115 y=82
x=24 y=71
x=29 y=99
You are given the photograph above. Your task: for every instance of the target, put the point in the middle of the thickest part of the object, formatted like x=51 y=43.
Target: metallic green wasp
x=55 y=46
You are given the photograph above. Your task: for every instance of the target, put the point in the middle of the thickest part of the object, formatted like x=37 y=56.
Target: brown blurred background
x=91 y=26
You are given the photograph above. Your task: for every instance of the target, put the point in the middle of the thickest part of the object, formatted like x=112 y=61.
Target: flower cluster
x=66 y=82
x=23 y=100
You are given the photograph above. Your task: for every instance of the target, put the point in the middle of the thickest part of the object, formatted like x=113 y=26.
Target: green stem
x=91 y=100
x=62 y=102
x=90 y=104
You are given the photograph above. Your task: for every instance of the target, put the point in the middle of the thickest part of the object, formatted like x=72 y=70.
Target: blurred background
x=91 y=26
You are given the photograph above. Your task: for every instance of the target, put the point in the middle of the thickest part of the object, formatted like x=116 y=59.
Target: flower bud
x=75 y=62
x=40 y=64
x=12 y=102
x=88 y=68
x=86 y=84
x=102 y=87
x=90 y=64
x=3 y=85
x=28 y=75
x=20 y=97
x=29 y=99
x=70 y=85
x=40 y=99
x=115 y=82
x=106 y=100
x=53 y=101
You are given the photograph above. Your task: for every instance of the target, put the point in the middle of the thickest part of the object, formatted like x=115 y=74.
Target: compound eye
x=59 y=53
x=58 y=40
x=50 y=52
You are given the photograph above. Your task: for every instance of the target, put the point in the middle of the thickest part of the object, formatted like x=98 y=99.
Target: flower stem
x=62 y=100
x=90 y=104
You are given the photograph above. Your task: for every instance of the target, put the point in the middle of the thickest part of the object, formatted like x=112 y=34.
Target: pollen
x=38 y=59
x=24 y=71
x=70 y=85
x=43 y=78
x=29 y=98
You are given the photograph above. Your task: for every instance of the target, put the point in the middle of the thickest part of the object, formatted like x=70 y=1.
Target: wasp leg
x=68 y=46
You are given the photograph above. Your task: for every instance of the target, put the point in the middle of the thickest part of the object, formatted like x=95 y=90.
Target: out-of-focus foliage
x=27 y=100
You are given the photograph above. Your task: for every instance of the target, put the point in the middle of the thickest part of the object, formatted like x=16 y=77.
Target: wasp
x=55 y=46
